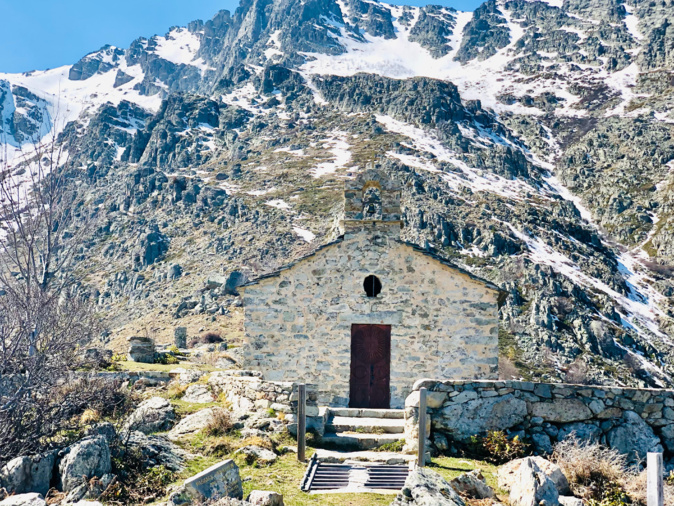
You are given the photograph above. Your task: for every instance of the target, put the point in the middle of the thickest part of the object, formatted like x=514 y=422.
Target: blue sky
x=41 y=34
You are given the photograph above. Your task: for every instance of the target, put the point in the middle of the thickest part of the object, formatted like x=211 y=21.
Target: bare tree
x=45 y=315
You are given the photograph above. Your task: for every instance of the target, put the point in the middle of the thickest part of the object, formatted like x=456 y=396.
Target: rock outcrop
x=85 y=459
x=424 y=487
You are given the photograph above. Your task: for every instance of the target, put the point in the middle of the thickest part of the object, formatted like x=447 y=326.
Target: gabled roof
x=432 y=253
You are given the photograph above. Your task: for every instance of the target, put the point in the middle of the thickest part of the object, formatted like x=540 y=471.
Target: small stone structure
x=220 y=480
x=632 y=420
x=371 y=305
x=248 y=391
x=141 y=349
x=180 y=337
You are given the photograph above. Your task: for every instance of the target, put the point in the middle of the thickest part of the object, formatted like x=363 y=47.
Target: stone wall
x=634 y=421
x=444 y=323
x=247 y=391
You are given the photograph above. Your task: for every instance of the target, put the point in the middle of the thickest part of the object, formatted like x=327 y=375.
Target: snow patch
x=180 y=46
x=339 y=149
x=278 y=204
x=305 y=234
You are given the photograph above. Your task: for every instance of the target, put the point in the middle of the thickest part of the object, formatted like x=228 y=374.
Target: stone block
x=561 y=411
x=220 y=480
x=265 y=498
x=180 y=337
x=141 y=349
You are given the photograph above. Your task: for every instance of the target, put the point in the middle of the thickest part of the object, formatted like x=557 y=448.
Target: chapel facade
x=365 y=316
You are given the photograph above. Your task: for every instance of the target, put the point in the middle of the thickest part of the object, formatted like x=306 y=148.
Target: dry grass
x=176 y=390
x=507 y=370
x=220 y=423
x=590 y=467
x=593 y=469
x=90 y=416
x=636 y=488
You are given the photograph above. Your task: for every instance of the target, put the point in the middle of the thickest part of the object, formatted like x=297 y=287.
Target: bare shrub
x=507 y=370
x=591 y=468
x=207 y=338
x=220 y=423
x=46 y=312
x=54 y=413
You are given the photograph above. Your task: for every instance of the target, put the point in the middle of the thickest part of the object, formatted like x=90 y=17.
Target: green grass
x=183 y=408
x=285 y=476
x=451 y=467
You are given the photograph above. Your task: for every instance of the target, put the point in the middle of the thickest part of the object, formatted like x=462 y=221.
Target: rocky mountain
x=533 y=138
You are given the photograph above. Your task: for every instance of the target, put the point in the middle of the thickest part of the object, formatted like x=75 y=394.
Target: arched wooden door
x=370 y=366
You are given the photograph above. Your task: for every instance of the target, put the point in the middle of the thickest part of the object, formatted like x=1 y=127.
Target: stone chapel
x=365 y=316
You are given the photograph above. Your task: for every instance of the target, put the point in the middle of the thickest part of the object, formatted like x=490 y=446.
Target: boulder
x=187 y=376
x=258 y=454
x=152 y=415
x=532 y=486
x=198 y=394
x=84 y=460
x=105 y=429
x=542 y=443
x=476 y=416
x=565 y=500
x=191 y=424
x=141 y=349
x=91 y=489
x=582 y=431
x=472 y=485
x=667 y=433
x=234 y=280
x=157 y=451
x=265 y=498
x=220 y=480
x=28 y=474
x=633 y=437
x=561 y=411
x=32 y=499
x=509 y=473
x=424 y=487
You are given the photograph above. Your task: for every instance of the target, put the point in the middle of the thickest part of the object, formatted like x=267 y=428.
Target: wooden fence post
x=656 y=492
x=301 y=422
x=421 y=455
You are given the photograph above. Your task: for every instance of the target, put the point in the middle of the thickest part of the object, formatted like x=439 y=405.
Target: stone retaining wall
x=632 y=420
x=248 y=391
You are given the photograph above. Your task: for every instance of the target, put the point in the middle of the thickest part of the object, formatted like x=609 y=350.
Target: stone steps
x=389 y=458
x=367 y=413
x=362 y=429
x=340 y=424
x=360 y=441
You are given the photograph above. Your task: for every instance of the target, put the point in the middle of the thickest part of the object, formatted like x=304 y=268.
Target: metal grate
x=352 y=477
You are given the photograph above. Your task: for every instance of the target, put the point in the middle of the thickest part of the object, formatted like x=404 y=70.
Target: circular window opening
x=372 y=286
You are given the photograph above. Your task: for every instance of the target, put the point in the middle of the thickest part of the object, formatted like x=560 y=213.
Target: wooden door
x=370 y=366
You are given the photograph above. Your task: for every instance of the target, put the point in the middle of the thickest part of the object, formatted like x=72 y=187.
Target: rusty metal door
x=370 y=366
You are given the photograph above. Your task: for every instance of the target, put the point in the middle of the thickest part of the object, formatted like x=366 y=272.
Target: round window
x=372 y=286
